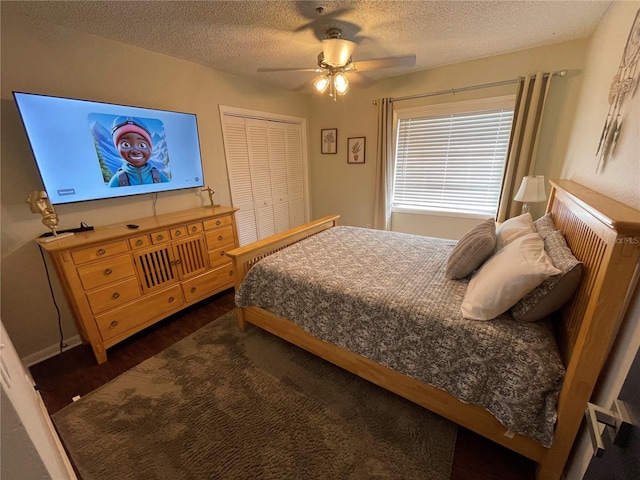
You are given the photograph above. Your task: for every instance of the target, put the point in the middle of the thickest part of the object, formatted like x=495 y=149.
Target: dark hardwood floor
x=75 y=372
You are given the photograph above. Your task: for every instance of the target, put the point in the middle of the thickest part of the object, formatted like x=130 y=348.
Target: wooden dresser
x=119 y=280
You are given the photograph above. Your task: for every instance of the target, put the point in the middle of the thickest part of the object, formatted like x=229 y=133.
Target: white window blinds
x=452 y=162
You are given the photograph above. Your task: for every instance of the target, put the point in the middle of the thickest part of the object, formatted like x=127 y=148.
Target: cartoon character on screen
x=133 y=141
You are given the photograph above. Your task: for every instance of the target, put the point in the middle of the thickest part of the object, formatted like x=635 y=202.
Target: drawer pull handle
x=193 y=289
x=222 y=253
x=102 y=251
x=159 y=237
x=108 y=271
x=194 y=229
x=139 y=242
x=115 y=295
x=218 y=223
x=171 y=299
x=220 y=237
x=178 y=233
x=114 y=324
x=231 y=273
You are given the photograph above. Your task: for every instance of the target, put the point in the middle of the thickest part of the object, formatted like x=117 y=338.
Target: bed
x=374 y=339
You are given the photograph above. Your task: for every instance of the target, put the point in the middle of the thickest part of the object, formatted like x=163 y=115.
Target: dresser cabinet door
x=155 y=267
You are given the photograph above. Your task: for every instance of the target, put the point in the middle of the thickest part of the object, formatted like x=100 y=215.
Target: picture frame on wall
x=356 y=147
x=329 y=140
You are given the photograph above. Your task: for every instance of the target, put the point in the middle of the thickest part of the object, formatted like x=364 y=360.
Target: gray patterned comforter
x=384 y=295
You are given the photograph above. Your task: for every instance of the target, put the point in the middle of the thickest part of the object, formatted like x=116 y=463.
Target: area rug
x=226 y=404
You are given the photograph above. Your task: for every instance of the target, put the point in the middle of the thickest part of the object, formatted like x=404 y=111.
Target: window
x=450 y=158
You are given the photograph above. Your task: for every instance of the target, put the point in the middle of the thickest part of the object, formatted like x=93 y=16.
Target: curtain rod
x=562 y=73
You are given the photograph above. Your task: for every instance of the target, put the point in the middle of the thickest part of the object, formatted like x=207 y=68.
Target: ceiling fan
x=336 y=67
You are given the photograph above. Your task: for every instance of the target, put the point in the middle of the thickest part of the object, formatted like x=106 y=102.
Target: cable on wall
x=53 y=297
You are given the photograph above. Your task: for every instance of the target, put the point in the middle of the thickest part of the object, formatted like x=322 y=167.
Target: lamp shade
x=341 y=83
x=337 y=51
x=531 y=190
x=321 y=83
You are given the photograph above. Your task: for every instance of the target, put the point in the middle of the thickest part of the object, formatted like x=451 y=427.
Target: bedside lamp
x=531 y=191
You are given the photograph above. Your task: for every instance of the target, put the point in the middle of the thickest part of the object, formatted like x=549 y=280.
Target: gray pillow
x=472 y=250
x=545 y=225
x=556 y=290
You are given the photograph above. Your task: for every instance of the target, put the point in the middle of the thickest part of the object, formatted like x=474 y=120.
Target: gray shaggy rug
x=226 y=404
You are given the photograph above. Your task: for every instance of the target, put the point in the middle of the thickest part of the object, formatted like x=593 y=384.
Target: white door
x=266 y=163
x=259 y=161
x=239 y=170
x=295 y=176
x=33 y=437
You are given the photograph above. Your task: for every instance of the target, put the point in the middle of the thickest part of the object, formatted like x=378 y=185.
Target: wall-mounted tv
x=88 y=150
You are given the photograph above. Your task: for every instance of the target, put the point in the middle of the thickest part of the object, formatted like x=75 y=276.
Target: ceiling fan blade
x=318 y=20
x=386 y=62
x=317 y=70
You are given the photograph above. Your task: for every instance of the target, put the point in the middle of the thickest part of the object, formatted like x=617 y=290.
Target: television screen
x=89 y=150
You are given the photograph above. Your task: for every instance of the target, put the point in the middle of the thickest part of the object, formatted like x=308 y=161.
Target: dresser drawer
x=99 y=251
x=139 y=242
x=218 y=257
x=107 y=271
x=219 y=238
x=208 y=283
x=131 y=315
x=104 y=298
x=178 y=232
x=194 y=228
x=160 y=237
x=217 y=222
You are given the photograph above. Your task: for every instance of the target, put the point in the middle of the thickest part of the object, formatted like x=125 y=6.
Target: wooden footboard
x=246 y=257
x=601 y=234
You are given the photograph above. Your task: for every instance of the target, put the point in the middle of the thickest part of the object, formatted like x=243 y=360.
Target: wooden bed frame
x=603 y=234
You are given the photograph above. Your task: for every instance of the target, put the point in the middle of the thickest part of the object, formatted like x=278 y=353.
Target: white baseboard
x=51 y=351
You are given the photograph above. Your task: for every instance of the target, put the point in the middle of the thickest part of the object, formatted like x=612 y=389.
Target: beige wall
x=349 y=189
x=619 y=180
x=44 y=58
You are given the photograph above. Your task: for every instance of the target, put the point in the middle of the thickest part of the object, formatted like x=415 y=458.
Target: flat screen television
x=87 y=150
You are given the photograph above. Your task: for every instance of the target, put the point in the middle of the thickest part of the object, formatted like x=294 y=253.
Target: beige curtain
x=530 y=100
x=384 y=166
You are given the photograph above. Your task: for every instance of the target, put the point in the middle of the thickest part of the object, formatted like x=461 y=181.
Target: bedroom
x=580 y=108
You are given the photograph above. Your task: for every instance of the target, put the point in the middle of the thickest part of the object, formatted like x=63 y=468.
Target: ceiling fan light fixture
x=337 y=51
x=341 y=83
x=322 y=83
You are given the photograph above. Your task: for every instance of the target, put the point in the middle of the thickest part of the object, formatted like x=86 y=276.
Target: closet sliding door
x=259 y=162
x=239 y=171
x=267 y=174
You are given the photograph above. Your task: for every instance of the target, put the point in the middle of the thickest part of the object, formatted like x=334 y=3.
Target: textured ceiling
x=240 y=36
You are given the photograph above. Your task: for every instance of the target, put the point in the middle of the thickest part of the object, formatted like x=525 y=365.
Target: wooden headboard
x=605 y=236
x=600 y=232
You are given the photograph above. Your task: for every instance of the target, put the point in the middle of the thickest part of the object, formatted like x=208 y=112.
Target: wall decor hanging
x=356 y=149
x=623 y=86
x=329 y=139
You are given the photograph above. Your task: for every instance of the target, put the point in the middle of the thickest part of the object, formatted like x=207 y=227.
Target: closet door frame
x=274 y=117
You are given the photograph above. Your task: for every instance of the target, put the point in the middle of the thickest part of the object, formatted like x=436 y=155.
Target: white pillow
x=513 y=228
x=506 y=277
